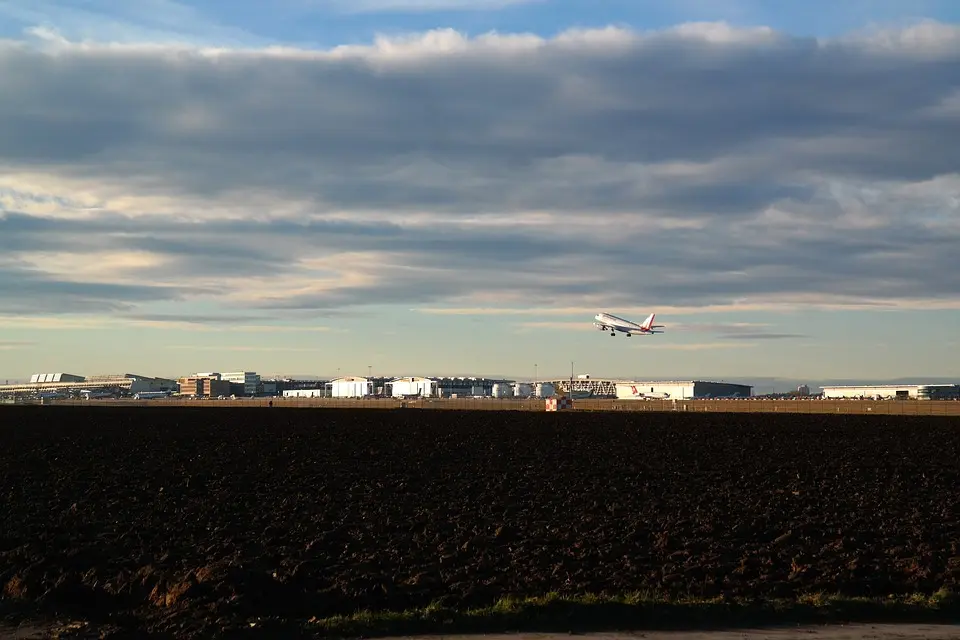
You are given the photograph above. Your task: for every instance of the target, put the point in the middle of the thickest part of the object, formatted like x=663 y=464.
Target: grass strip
x=554 y=613
x=637 y=611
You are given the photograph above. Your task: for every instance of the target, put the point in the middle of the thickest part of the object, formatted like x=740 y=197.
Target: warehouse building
x=681 y=390
x=893 y=391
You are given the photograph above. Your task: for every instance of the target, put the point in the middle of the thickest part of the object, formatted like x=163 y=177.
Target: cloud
x=158 y=21
x=764 y=336
x=703 y=168
x=695 y=346
x=737 y=330
x=7 y=345
x=193 y=323
x=191 y=347
x=419 y=6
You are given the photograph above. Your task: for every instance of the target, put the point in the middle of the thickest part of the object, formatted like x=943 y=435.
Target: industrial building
x=277 y=386
x=246 y=383
x=449 y=387
x=893 y=391
x=468 y=386
x=267 y=388
x=204 y=385
x=681 y=390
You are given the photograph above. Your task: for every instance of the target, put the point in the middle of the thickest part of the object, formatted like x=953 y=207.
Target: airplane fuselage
x=613 y=324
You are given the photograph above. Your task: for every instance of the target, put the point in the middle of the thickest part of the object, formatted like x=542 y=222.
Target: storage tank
x=502 y=390
x=545 y=390
x=523 y=390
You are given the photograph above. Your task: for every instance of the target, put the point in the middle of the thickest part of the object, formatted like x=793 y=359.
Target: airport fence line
x=877 y=407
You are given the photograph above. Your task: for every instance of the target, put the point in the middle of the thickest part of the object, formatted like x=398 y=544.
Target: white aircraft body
x=662 y=395
x=612 y=323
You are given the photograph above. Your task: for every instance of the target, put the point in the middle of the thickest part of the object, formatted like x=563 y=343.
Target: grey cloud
x=340 y=130
x=762 y=336
x=734 y=331
x=27 y=290
x=201 y=319
x=812 y=130
x=682 y=267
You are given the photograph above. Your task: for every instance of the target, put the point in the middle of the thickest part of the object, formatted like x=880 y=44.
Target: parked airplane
x=662 y=395
x=611 y=323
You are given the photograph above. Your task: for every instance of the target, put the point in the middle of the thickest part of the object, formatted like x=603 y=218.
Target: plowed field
x=203 y=519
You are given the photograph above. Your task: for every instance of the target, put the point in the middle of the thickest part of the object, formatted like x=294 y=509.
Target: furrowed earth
x=195 y=522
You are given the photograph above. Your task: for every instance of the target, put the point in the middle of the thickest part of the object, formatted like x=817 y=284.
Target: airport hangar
x=360 y=387
x=584 y=385
x=895 y=391
x=681 y=390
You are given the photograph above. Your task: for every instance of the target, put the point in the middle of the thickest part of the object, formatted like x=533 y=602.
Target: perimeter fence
x=751 y=405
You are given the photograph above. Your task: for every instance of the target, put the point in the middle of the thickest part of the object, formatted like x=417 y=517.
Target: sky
x=456 y=187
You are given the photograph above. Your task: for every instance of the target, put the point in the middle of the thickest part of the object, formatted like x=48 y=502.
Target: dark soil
x=198 y=520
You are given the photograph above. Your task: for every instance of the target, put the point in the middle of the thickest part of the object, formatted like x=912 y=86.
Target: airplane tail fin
x=648 y=323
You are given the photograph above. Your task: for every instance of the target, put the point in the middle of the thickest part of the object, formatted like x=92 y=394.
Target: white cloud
x=698 y=169
x=418 y=6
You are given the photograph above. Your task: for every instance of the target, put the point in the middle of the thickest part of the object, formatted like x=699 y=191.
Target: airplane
x=648 y=396
x=611 y=323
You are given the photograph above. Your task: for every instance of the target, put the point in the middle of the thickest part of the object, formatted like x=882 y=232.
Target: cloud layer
x=702 y=166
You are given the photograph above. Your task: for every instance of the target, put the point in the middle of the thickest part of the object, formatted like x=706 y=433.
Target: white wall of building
x=657 y=390
x=351 y=387
x=679 y=390
x=302 y=393
x=425 y=387
x=870 y=391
